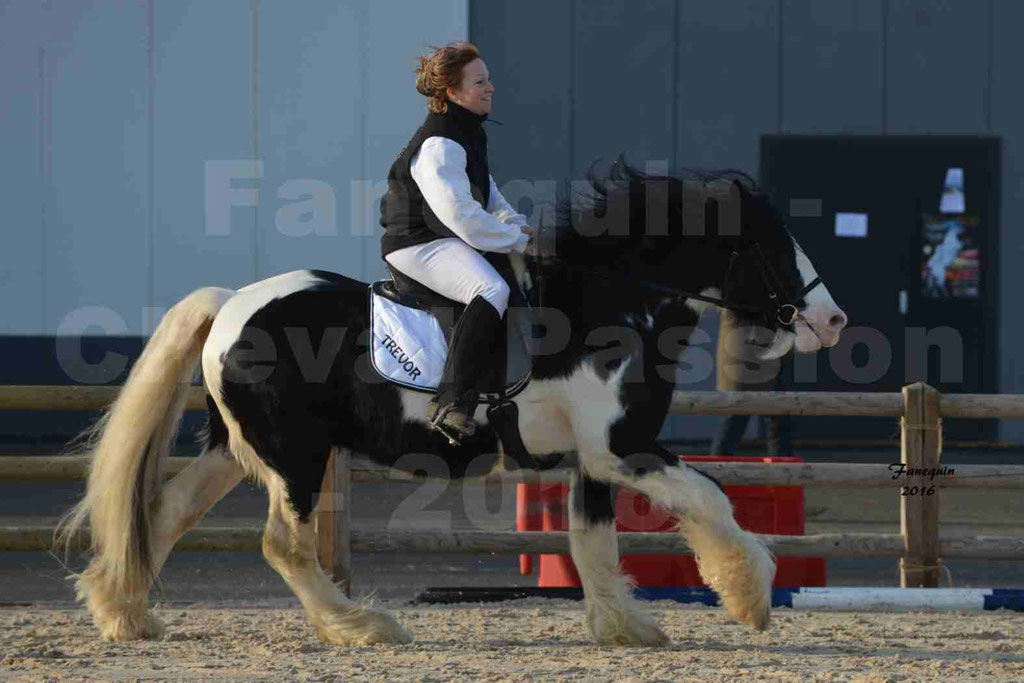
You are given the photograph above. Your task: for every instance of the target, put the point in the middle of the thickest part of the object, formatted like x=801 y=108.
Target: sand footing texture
x=519 y=641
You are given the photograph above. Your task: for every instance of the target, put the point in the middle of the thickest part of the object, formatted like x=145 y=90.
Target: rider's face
x=476 y=89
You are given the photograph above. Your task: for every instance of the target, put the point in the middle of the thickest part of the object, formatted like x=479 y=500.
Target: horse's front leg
x=734 y=562
x=614 y=616
x=618 y=446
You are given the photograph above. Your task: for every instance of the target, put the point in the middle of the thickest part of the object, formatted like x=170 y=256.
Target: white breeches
x=453 y=269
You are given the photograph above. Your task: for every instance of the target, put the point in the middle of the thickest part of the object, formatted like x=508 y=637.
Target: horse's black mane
x=625 y=182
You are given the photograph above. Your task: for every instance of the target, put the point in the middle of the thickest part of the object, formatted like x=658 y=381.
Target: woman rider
x=442 y=208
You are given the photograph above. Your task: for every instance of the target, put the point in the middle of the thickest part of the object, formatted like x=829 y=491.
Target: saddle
x=412 y=327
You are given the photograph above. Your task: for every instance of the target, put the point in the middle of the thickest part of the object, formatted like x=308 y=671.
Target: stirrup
x=450 y=432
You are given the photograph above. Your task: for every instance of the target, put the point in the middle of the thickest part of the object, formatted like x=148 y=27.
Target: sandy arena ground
x=518 y=641
x=231 y=618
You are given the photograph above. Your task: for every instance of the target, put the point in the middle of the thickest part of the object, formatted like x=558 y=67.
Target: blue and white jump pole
x=860 y=598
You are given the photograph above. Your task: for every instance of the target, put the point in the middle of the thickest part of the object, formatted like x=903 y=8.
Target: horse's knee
x=680 y=489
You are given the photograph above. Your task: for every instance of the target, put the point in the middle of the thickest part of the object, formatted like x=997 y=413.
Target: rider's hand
x=526 y=229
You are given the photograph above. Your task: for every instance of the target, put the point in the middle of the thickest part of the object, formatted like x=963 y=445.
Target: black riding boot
x=451 y=409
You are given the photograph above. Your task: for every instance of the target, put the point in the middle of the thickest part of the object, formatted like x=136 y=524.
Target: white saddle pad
x=409 y=347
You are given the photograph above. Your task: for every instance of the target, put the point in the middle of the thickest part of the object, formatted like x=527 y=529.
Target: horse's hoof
x=760 y=621
x=368 y=628
x=645 y=635
x=126 y=627
x=629 y=630
x=754 y=617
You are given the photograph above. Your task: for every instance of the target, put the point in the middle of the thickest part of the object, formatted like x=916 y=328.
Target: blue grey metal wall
x=1006 y=119
x=698 y=81
x=833 y=70
x=115 y=108
x=112 y=110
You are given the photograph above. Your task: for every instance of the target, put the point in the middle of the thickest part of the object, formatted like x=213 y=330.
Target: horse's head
x=713 y=236
x=766 y=278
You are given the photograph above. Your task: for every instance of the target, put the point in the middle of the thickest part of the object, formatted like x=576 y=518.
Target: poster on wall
x=950 y=264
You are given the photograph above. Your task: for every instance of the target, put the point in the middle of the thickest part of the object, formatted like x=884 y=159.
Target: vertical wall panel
x=22 y=230
x=832 y=66
x=201 y=116
x=310 y=135
x=394 y=110
x=728 y=81
x=1008 y=122
x=532 y=92
x=937 y=66
x=97 y=207
x=622 y=82
x=728 y=96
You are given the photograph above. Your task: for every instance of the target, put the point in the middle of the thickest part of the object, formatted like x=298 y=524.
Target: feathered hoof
x=627 y=630
x=742 y=576
x=131 y=626
x=758 y=618
x=363 y=628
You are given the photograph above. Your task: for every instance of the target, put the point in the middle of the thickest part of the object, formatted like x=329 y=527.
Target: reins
x=784 y=309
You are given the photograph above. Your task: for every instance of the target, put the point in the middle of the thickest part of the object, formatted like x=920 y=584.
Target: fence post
x=921 y=446
x=334 y=520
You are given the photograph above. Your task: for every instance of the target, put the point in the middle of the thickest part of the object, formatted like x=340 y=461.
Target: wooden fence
x=919 y=544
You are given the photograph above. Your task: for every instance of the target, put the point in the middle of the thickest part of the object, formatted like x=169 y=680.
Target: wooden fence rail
x=876 y=476
x=40 y=538
x=919 y=545
x=889 y=404
x=81 y=398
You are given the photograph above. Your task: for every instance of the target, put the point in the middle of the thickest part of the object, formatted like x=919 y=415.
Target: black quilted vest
x=404 y=214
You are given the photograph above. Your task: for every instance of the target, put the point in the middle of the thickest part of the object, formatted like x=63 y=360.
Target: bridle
x=784 y=307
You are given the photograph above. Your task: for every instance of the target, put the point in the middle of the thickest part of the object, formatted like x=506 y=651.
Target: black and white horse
x=289 y=381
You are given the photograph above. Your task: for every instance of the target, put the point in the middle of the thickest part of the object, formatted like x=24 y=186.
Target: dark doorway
x=919 y=284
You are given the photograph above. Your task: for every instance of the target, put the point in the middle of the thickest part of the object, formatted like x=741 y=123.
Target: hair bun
x=423 y=84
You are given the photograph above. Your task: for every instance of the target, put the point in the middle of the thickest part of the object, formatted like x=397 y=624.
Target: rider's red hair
x=442 y=69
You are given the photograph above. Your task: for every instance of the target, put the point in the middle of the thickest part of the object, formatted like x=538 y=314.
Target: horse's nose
x=837 y=322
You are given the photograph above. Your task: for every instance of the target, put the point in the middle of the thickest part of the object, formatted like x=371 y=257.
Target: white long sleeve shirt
x=439 y=169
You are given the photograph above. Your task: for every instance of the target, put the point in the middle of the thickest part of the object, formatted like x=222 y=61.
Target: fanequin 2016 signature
x=900 y=469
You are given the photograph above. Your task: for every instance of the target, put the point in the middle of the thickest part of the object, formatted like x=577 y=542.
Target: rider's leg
x=469 y=356
x=455 y=270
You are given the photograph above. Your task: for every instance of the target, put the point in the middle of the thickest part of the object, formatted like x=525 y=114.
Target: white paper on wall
x=851 y=225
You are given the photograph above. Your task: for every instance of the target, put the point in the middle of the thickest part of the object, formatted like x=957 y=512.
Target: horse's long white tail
x=128 y=447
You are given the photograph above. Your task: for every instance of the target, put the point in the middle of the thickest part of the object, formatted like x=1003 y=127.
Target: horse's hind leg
x=186 y=498
x=177 y=507
x=289 y=544
x=614 y=616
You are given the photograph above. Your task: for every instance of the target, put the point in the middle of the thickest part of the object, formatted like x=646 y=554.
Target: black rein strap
x=785 y=312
